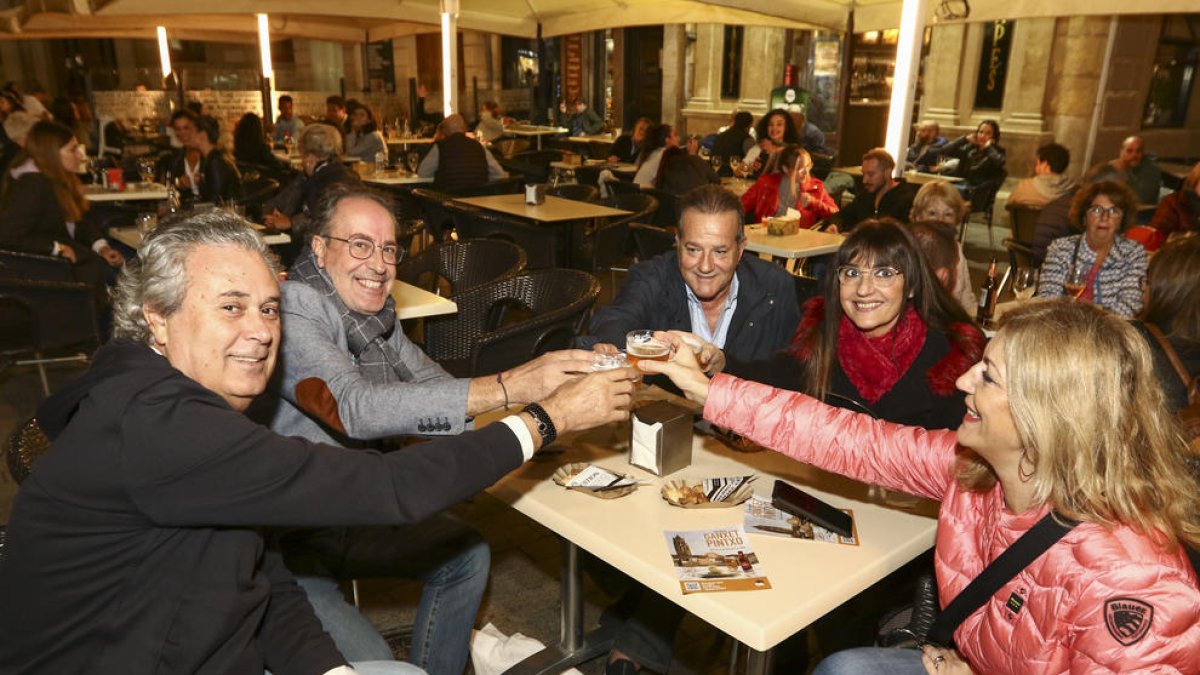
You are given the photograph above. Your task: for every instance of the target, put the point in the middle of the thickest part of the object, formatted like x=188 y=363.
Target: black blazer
x=32 y=221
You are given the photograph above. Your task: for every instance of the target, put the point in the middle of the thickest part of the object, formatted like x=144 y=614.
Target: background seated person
x=585 y=122
x=287 y=125
x=787 y=184
x=658 y=139
x=1107 y=267
x=184 y=159
x=1133 y=168
x=456 y=161
x=882 y=194
x=156 y=484
x=682 y=170
x=1178 y=214
x=938 y=202
x=1034 y=444
x=940 y=249
x=628 y=145
x=491 y=122
x=979 y=159
x=349 y=376
x=735 y=141
x=741 y=303
x=925 y=152
x=774 y=130
x=364 y=140
x=1049 y=181
x=320 y=147
x=885 y=336
x=250 y=149
x=1173 y=305
x=220 y=180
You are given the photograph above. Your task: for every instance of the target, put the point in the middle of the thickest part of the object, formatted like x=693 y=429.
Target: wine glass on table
x=716 y=162
x=1075 y=281
x=413 y=160
x=735 y=165
x=145 y=168
x=1025 y=283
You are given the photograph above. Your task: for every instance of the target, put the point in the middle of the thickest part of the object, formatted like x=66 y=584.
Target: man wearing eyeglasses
x=349 y=376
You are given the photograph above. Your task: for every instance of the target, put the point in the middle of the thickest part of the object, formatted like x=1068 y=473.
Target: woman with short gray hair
x=320 y=149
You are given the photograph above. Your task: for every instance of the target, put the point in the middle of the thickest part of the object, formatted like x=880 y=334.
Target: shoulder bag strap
x=1015 y=558
x=1170 y=352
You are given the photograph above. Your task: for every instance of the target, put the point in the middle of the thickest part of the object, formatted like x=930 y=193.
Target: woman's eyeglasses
x=882 y=277
x=363 y=249
x=1100 y=212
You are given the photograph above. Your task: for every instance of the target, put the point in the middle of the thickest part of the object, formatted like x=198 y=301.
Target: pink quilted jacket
x=1097 y=602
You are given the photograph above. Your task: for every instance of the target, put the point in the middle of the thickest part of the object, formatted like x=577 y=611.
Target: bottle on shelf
x=987 y=296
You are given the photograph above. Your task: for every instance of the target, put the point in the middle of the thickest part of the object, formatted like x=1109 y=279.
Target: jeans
x=647 y=621
x=868 y=660
x=450 y=558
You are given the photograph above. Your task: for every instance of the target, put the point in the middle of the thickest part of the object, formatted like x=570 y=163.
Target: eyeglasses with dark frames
x=363 y=248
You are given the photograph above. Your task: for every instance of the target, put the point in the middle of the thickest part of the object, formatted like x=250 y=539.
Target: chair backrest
x=463 y=264
x=542 y=244
x=575 y=191
x=508 y=147
x=983 y=197
x=505 y=186
x=1020 y=254
x=642 y=206
x=667 y=214
x=18 y=265
x=618 y=187
x=434 y=209
x=650 y=240
x=64 y=315
x=507 y=322
x=1024 y=222
x=24 y=445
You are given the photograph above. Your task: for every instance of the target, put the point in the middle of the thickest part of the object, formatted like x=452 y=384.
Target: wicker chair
x=462 y=265
x=434 y=208
x=651 y=240
x=621 y=187
x=667 y=214
x=612 y=248
x=543 y=245
x=507 y=322
x=1024 y=221
x=641 y=206
x=576 y=192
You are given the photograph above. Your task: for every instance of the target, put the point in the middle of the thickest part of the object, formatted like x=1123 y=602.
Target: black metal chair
x=255 y=193
x=983 y=201
x=1020 y=254
x=543 y=245
x=1024 y=222
x=576 y=192
x=507 y=322
x=650 y=240
x=462 y=265
x=618 y=187
x=38 y=318
x=18 y=265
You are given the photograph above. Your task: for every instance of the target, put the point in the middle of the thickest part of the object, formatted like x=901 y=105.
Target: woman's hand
x=938 y=661
x=683 y=369
x=804 y=200
x=111 y=256
x=67 y=252
x=709 y=356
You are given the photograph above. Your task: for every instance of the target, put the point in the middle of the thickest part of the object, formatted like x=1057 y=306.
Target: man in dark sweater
x=882 y=194
x=456 y=161
x=134 y=546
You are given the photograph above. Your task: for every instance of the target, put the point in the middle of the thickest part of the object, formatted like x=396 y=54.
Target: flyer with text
x=712 y=561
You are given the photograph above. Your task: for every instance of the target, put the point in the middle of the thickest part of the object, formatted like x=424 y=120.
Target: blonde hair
x=1092 y=419
x=938 y=190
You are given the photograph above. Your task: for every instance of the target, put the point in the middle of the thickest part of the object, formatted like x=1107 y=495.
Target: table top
x=534 y=130
x=411 y=140
x=615 y=167
x=132 y=192
x=130 y=236
x=555 y=209
x=396 y=178
x=593 y=138
x=1175 y=169
x=413 y=302
x=916 y=177
x=808 y=578
x=803 y=244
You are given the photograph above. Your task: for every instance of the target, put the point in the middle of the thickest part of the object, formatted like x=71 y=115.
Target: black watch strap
x=545 y=425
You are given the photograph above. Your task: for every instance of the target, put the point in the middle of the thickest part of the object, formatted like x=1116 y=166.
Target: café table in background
x=808 y=578
x=536 y=131
x=914 y=177
x=803 y=244
x=131 y=237
x=395 y=178
x=132 y=192
x=566 y=214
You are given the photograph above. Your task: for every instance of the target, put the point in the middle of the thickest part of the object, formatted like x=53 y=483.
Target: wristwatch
x=545 y=425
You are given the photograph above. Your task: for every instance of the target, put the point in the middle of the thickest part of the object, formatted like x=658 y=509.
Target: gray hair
x=323 y=141
x=157 y=279
x=321 y=222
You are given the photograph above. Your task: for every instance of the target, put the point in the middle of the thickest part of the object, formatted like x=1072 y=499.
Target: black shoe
x=621 y=667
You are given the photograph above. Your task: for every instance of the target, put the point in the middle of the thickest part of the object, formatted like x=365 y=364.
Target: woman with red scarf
x=886 y=337
x=786 y=184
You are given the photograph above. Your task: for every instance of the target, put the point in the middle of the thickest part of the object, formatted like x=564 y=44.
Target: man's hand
x=111 y=256
x=277 y=220
x=67 y=252
x=535 y=380
x=693 y=146
x=592 y=400
x=683 y=369
x=606 y=349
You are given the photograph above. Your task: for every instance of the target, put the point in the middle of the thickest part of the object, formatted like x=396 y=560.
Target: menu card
x=713 y=561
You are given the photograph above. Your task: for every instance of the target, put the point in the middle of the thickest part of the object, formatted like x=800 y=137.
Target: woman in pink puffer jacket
x=1064 y=413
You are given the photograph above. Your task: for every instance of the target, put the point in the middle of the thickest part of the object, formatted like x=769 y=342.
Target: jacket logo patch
x=1014 y=604
x=1127 y=619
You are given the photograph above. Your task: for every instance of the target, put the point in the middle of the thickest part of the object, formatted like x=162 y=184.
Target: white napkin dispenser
x=535 y=193
x=661 y=438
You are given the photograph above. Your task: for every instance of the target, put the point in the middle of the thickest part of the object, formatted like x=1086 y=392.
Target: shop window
x=520 y=62
x=1174 y=73
x=731 y=65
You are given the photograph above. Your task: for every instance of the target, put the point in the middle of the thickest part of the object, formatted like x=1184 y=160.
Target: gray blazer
x=314 y=346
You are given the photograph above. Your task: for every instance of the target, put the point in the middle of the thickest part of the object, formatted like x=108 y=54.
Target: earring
x=1021 y=466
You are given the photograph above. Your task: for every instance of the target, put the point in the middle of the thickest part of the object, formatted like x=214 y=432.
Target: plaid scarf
x=366 y=334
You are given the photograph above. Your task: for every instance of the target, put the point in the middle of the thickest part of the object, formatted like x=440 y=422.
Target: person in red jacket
x=1065 y=416
x=1178 y=214
x=787 y=184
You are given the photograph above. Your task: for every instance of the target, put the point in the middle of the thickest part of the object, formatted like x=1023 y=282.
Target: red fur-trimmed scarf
x=966 y=347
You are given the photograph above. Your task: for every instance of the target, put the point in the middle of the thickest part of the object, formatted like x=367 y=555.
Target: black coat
x=132 y=547
x=653 y=297
x=896 y=203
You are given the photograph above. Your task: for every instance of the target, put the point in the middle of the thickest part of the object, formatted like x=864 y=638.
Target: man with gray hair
x=134 y=547
x=349 y=376
x=456 y=161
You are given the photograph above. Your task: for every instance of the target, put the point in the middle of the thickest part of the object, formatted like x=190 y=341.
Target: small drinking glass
x=413 y=159
x=1075 y=281
x=716 y=162
x=641 y=345
x=1025 y=283
x=145 y=168
x=602 y=362
x=146 y=222
x=381 y=161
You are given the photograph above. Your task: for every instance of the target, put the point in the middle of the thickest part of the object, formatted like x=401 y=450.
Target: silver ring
x=938 y=661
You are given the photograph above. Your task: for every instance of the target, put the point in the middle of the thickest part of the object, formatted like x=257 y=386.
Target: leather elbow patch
x=313 y=397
